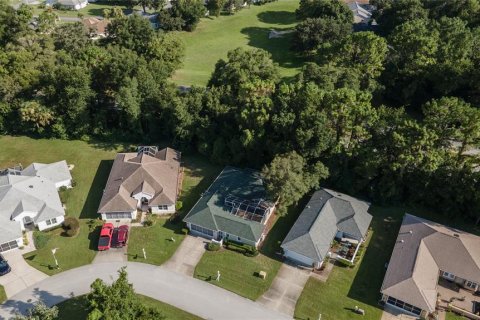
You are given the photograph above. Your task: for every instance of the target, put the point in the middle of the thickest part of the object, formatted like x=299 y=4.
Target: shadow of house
x=368 y=280
x=93 y=238
x=277 y=17
x=90 y=207
x=279 y=48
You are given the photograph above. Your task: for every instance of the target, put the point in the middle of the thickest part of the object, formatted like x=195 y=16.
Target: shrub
x=148 y=223
x=345 y=263
x=185 y=231
x=71 y=225
x=252 y=252
x=40 y=239
x=179 y=205
x=213 y=246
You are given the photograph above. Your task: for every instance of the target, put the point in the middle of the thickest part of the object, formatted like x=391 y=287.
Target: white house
x=146 y=180
x=69 y=4
x=30 y=198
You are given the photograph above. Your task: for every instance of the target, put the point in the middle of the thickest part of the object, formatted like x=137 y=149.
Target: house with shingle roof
x=425 y=252
x=30 y=197
x=146 y=180
x=328 y=215
x=234 y=207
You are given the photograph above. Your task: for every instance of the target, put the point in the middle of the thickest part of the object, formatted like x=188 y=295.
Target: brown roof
x=132 y=173
x=423 y=248
x=96 y=25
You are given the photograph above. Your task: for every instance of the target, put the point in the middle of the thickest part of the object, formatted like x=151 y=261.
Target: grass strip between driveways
x=77 y=309
x=3 y=295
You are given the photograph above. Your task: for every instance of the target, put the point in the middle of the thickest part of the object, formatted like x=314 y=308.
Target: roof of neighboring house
x=423 y=248
x=56 y=172
x=97 y=25
x=326 y=213
x=212 y=213
x=155 y=174
x=32 y=194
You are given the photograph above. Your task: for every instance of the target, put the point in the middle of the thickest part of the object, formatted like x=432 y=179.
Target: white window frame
x=53 y=220
x=448 y=275
x=48 y=222
x=470 y=284
x=163 y=207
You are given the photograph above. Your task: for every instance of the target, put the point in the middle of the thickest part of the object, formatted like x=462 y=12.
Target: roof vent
x=456 y=235
x=30 y=186
x=402 y=241
x=411 y=232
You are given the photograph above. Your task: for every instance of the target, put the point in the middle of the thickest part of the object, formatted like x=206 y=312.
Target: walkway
x=187 y=255
x=22 y=274
x=285 y=289
x=189 y=294
x=390 y=313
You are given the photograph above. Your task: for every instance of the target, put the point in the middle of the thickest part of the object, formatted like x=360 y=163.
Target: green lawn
x=360 y=286
x=156 y=239
x=250 y=27
x=77 y=309
x=453 y=316
x=92 y=9
x=3 y=295
x=238 y=272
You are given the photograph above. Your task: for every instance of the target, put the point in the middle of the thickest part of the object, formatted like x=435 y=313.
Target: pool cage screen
x=248 y=209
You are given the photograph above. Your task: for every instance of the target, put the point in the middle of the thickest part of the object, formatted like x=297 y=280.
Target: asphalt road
x=187 y=293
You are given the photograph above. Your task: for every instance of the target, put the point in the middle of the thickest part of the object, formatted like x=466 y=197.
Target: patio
x=345 y=249
x=451 y=293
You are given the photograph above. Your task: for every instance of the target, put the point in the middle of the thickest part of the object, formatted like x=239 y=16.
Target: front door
x=220 y=235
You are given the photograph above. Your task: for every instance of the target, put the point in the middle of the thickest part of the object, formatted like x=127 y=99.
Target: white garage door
x=119 y=215
x=8 y=246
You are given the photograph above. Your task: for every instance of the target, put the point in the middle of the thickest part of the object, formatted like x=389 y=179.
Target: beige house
x=424 y=253
x=146 y=180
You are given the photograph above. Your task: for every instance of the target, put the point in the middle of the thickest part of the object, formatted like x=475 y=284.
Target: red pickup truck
x=105 y=237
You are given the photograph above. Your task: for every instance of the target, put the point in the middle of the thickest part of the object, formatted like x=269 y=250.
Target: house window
x=470 y=284
x=403 y=305
x=448 y=275
x=48 y=222
x=239 y=239
x=54 y=220
x=163 y=207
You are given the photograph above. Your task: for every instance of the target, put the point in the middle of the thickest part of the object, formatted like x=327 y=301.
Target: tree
x=132 y=32
x=151 y=4
x=14 y=23
x=215 y=6
x=117 y=301
x=312 y=33
x=398 y=12
x=70 y=37
x=33 y=113
x=330 y=76
x=467 y=10
x=39 y=311
x=288 y=178
x=168 y=48
x=190 y=11
x=47 y=20
x=325 y=8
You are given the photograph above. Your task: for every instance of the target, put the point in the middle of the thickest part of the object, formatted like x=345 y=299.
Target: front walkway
x=390 y=313
x=186 y=293
x=22 y=274
x=187 y=255
x=285 y=289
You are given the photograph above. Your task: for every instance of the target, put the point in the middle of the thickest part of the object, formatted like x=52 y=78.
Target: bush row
x=247 y=250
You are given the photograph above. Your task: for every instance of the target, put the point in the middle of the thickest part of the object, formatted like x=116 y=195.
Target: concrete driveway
x=187 y=255
x=187 y=293
x=111 y=255
x=22 y=274
x=285 y=289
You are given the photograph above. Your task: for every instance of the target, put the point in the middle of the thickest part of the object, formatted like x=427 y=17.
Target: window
x=448 y=275
x=163 y=207
x=239 y=239
x=403 y=305
x=48 y=222
x=118 y=215
x=54 y=220
x=470 y=284
x=202 y=230
x=8 y=246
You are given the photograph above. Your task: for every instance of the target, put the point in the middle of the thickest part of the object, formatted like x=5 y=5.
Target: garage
x=8 y=246
x=118 y=215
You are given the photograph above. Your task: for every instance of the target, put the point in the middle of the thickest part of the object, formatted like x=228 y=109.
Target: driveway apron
x=187 y=255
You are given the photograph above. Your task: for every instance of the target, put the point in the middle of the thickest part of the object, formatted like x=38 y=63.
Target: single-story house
x=29 y=199
x=328 y=215
x=234 y=207
x=57 y=172
x=69 y=4
x=424 y=252
x=146 y=180
x=96 y=27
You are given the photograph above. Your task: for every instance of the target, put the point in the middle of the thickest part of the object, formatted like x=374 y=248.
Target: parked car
x=105 y=239
x=4 y=267
x=120 y=236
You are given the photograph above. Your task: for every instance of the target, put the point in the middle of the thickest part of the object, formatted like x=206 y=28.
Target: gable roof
x=212 y=213
x=326 y=213
x=56 y=172
x=422 y=249
x=132 y=173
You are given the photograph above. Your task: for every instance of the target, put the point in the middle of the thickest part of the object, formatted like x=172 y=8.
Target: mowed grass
x=360 y=286
x=77 y=309
x=453 y=316
x=248 y=28
x=91 y=10
x=3 y=295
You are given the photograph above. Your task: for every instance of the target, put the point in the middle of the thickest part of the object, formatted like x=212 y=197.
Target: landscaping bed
x=77 y=309
x=3 y=295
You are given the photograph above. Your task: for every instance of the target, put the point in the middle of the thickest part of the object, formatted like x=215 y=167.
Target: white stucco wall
x=170 y=209
x=42 y=225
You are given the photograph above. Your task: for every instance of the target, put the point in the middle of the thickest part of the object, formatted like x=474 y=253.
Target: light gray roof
x=326 y=213
x=9 y=230
x=56 y=172
x=422 y=249
x=33 y=194
x=72 y=2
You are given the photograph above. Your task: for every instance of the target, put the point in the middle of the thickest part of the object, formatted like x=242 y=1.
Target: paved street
x=187 y=293
x=187 y=255
x=285 y=289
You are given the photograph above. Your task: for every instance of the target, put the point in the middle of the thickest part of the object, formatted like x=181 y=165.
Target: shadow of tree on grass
x=277 y=17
